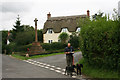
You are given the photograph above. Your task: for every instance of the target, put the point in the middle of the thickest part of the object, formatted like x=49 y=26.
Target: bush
x=99 y=43
x=25 y=38
x=12 y=47
x=74 y=40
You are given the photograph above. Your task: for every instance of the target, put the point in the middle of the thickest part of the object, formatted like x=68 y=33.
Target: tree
x=97 y=15
x=40 y=35
x=74 y=40
x=28 y=28
x=17 y=27
x=24 y=38
x=4 y=40
x=63 y=37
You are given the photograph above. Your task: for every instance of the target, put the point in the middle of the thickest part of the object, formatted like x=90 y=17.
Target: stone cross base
x=36 y=49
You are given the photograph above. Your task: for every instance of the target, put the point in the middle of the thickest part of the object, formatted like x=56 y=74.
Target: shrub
x=63 y=37
x=99 y=43
x=25 y=38
x=74 y=40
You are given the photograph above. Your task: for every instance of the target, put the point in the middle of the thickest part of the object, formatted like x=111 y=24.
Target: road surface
x=46 y=67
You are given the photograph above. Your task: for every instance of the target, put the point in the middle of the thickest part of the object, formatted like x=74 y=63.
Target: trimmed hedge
x=100 y=43
x=53 y=46
x=50 y=48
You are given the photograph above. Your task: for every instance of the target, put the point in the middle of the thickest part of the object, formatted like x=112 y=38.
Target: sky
x=31 y=9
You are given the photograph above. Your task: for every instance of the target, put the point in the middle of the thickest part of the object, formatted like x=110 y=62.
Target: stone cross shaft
x=36 y=40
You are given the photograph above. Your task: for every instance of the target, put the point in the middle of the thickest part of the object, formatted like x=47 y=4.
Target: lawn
x=97 y=72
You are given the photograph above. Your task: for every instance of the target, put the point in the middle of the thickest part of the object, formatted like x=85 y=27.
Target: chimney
x=88 y=13
x=48 y=15
x=8 y=33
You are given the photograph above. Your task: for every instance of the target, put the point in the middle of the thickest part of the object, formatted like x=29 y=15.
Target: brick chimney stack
x=8 y=33
x=88 y=13
x=48 y=15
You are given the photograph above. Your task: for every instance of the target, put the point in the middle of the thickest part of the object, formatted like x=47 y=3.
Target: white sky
x=31 y=9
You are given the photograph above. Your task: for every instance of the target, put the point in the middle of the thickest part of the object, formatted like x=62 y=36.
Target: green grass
x=35 y=56
x=97 y=72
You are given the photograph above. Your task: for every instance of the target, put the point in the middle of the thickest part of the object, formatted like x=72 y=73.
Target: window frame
x=50 y=31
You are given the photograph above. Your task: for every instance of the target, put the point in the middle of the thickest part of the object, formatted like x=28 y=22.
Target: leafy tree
x=17 y=27
x=4 y=40
x=24 y=38
x=97 y=15
x=74 y=40
x=63 y=37
x=99 y=43
x=40 y=35
x=28 y=28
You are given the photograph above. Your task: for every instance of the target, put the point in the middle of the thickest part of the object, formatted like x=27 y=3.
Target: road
x=46 y=67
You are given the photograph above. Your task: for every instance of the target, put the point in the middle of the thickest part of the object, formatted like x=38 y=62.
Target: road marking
x=74 y=76
x=37 y=62
x=52 y=69
x=57 y=71
x=47 y=66
x=34 y=61
x=58 y=68
x=52 y=66
x=63 y=69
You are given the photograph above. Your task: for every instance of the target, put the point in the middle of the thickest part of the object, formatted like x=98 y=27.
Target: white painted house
x=54 y=26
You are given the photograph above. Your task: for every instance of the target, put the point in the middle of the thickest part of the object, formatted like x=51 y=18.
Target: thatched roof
x=57 y=23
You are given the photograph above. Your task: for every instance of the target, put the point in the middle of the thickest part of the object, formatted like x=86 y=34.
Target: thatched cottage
x=54 y=26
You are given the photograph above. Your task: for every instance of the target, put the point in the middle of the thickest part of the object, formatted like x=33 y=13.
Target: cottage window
x=50 y=41
x=64 y=30
x=78 y=30
x=59 y=40
x=50 y=31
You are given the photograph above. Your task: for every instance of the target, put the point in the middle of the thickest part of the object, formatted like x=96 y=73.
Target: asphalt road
x=36 y=68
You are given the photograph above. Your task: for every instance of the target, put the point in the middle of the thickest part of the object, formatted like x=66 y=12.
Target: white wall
x=53 y=36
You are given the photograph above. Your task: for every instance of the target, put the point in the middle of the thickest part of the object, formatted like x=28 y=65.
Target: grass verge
x=97 y=72
x=35 y=56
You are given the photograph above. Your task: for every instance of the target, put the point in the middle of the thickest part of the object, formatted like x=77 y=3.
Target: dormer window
x=78 y=30
x=64 y=30
x=50 y=31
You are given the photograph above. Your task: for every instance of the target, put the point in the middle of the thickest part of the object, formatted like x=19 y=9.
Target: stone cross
x=36 y=40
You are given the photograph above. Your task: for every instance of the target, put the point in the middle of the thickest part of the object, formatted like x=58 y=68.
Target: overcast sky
x=31 y=9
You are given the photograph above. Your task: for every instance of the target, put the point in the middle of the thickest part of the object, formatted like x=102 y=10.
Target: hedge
x=53 y=47
x=100 y=43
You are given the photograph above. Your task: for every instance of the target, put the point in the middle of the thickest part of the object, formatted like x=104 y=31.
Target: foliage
x=28 y=28
x=24 y=38
x=63 y=37
x=74 y=40
x=97 y=15
x=40 y=35
x=4 y=40
x=94 y=72
x=17 y=27
x=53 y=46
x=99 y=43
x=35 y=56
x=10 y=48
